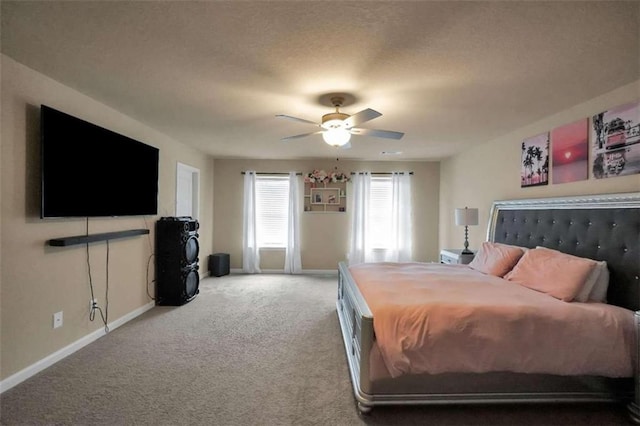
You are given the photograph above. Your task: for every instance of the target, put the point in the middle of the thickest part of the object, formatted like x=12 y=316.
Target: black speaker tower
x=177 y=248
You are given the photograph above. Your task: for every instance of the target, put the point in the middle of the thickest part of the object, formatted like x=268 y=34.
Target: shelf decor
x=325 y=196
x=330 y=196
x=320 y=176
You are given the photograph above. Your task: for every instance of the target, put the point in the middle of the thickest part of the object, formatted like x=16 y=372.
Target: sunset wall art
x=570 y=152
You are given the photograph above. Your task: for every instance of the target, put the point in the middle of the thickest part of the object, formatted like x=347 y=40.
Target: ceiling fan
x=337 y=127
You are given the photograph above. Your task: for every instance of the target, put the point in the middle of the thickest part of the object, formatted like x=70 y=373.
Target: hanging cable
x=94 y=305
x=147 y=279
x=151 y=255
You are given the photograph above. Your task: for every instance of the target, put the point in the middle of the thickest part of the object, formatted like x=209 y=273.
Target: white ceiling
x=214 y=74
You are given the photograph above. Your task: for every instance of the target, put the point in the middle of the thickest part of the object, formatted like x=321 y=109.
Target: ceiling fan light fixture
x=332 y=124
x=334 y=120
x=337 y=127
x=336 y=136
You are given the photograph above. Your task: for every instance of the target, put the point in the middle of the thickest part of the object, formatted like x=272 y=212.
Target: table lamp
x=466 y=217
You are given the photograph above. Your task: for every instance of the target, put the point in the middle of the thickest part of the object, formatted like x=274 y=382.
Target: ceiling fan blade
x=361 y=117
x=301 y=135
x=346 y=146
x=302 y=120
x=388 y=134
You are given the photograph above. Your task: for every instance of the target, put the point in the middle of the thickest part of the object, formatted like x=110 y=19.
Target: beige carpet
x=249 y=350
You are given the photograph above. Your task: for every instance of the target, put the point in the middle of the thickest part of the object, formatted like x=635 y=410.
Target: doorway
x=187 y=190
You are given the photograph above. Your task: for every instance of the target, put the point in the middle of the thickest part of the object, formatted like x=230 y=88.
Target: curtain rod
x=380 y=173
x=353 y=173
x=274 y=173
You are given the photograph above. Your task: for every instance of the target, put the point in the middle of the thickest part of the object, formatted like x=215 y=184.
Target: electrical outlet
x=57 y=319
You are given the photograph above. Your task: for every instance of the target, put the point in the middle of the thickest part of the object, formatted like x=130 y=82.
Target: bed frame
x=601 y=227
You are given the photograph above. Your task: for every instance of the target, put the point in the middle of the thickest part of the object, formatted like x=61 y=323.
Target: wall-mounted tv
x=89 y=171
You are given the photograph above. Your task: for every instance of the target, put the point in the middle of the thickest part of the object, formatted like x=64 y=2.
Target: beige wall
x=38 y=280
x=491 y=171
x=324 y=237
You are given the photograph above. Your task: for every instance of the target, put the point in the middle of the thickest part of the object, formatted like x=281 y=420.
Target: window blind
x=272 y=198
x=380 y=212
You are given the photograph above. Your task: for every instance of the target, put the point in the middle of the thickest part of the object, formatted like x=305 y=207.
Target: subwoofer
x=177 y=249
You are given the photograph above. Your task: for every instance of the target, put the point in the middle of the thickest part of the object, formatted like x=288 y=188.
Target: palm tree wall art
x=534 y=170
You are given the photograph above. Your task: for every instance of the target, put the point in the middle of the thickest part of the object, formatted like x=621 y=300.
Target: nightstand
x=455 y=256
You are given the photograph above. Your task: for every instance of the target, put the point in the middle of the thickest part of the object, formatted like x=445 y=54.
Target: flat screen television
x=89 y=171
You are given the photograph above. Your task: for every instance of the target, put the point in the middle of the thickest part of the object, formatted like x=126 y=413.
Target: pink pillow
x=596 y=284
x=558 y=274
x=496 y=258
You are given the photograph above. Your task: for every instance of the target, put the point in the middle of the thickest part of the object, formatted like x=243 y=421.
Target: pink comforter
x=433 y=318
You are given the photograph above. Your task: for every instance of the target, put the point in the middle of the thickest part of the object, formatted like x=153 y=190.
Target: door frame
x=195 y=187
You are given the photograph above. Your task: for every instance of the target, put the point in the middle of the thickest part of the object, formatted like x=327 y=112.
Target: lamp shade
x=466 y=216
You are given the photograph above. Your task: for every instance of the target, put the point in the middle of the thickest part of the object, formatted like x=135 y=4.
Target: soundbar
x=83 y=239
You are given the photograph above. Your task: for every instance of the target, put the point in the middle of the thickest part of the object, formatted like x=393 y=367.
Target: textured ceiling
x=214 y=74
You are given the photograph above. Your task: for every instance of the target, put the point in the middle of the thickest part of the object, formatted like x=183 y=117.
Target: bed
x=605 y=228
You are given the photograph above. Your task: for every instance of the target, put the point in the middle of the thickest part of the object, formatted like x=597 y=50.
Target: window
x=380 y=212
x=272 y=206
x=381 y=220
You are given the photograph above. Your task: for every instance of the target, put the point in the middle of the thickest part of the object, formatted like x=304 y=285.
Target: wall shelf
x=83 y=239
x=328 y=198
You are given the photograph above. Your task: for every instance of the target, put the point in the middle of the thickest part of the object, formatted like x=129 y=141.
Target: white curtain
x=401 y=240
x=399 y=248
x=358 y=250
x=250 y=251
x=292 y=262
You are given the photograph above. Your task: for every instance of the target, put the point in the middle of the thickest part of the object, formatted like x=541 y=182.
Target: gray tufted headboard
x=600 y=227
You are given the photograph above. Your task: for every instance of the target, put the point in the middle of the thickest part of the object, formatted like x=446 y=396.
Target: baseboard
x=319 y=272
x=48 y=361
x=281 y=271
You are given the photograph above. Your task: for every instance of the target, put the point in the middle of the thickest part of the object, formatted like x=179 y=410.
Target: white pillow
x=599 y=292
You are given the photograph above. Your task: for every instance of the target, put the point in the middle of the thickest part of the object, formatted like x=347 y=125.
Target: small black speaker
x=219 y=264
x=177 y=249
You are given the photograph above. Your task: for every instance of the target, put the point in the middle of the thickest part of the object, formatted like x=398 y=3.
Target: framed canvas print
x=316 y=196
x=570 y=152
x=615 y=141
x=534 y=164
